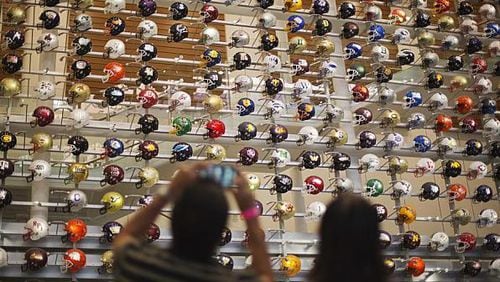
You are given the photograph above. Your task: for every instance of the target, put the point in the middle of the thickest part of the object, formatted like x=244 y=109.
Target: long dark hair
x=198 y=218
x=349 y=248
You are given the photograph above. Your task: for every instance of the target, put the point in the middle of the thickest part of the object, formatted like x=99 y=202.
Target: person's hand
x=182 y=177
x=242 y=193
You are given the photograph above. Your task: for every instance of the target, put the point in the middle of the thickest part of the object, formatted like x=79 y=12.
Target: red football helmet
x=464 y=104
x=113 y=72
x=76 y=229
x=443 y=123
x=43 y=116
x=478 y=65
x=74 y=260
x=313 y=185
x=397 y=16
x=415 y=266
x=457 y=192
x=469 y=124
x=148 y=98
x=153 y=233
x=209 y=13
x=359 y=93
x=465 y=242
x=215 y=128
x=441 y=6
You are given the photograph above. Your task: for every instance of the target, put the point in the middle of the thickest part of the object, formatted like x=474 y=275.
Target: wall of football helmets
x=102 y=100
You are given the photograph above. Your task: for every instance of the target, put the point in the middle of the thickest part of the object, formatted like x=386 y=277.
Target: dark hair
x=349 y=248
x=198 y=218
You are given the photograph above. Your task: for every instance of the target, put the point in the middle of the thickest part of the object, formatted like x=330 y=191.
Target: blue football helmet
x=295 y=23
x=422 y=143
x=492 y=30
x=245 y=106
x=412 y=99
x=473 y=147
x=113 y=147
x=375 y=33
x=352 y=50
x=487 y=106
x=320 y=7
x=211 y=58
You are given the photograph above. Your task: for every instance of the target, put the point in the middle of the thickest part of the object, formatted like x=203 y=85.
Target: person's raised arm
x=136 y=228
x=246 y=201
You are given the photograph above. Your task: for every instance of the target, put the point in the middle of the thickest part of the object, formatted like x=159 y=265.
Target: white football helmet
x=147 y=29
x=243 y=83
x=209 y=36
x=83 y=22
x=302 y=88
x=446 y=143
x=491 y=128
x=494 y=48
x=487 y=11
x=401 y=36
x=79 y=118
x=114 y=6
x=477 y=169
x=393 y=140
x=401 y=188
x=487 y=218
x=35 y=229
x=180 y=100
x=47 y=42
x=425 y=166
x=337 y=113
x=373 y=13
x=327 y=69
x=40 y=169
x=308 y=134
x=114 y=48
x=281 y=157
x=240 y=38
x=272 y=63
x=343 y=185
x=267 y=20
x=4 y=258
x=380 y=53
x=439 y=242
x=438 y=101
x=275 y=107
x=386 y=95
x=416 y=120
x=419 y=3
x=430 y=59
x=45 y=89
x=369 y=163
x=450 y=42
x=483 y=85
x=495 y=266
x=315 y=211
x=76 y=200
x=468 y=25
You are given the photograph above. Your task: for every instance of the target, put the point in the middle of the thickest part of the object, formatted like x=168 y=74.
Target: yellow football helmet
x=292 y=5
x=397 y=165
x=216 y=152
x=291 y=265
x=297 y=44
x=78 y=93
x=213 y=104
x=112 y=201
x=425 y=39
x=406 y=214
x=77 y=172
x=107 y=260
x=458 y=81
x=337 y=137
x=390 y=118
x=10 y=87
x=284 y=210
x=16 y=15
x=446 y=23
x=41 y=141
x=148 y=176
x=324 y=47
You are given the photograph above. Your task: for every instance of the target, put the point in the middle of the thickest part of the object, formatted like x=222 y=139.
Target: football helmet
x=308 y=135
x=368 y=163
x=284 y=211
x=346 y=10
x=401 y=35
x=401 y=188
x=248 y=156
x=323 y=26
x=146 y=7
x=415 y=266
x=292 y=6
x=367 y=139
x=178 y=10
x=381 y=213
x=375 y=33
x=148 y=177
x=113 y=174
x=246 y=131
x=280 y=157
x=313 y=185
x=439 y=242
x=410 y=240
x=425 y=166
x=487 y=218
x=181 y=151
x=397 y=165
x=239 y=38
x=35 y=258
x=114 y=6
x=113 y=72
x=39 y=170
x=461 y=216
x=340 y=161
x=374 y=187
x=112 y=201
x=113 y=49
x=82 y=23
x=465 y=242
x=12 y=63
x=290 y=264
x=216 y=152
x=443 y=123
x=267 y=20
x=355 y=72
x=430 y=191
x=362 y=116
x=75 y=229
x=412 y=99
x=111 y=229
x=316 y=210
x=483 y=193
x=35 y=229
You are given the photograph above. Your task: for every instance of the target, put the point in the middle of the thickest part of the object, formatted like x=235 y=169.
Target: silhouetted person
x=349 y=243
x=198 y=218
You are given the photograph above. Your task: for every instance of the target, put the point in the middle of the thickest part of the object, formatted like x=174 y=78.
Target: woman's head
x=349 y=249
x=198 y=217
